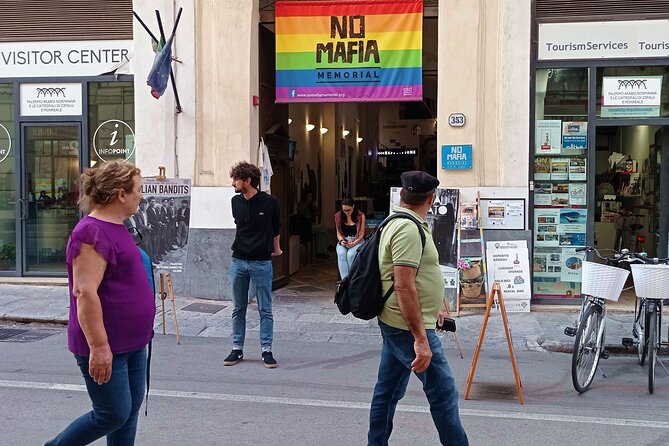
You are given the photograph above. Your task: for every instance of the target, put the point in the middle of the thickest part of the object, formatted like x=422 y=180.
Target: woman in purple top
x=111 y=307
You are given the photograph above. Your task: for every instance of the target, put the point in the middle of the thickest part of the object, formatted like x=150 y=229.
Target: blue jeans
x=394 y=372
x=242 y=273
x=345 y=258
x=116 y=404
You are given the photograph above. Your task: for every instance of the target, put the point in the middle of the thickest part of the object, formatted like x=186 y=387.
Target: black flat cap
x=418 y=181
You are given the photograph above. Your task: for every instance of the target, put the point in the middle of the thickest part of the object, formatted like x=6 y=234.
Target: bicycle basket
x=651 y=281
x=603 y=281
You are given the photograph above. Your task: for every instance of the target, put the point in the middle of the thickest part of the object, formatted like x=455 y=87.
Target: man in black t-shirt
x=256 y=216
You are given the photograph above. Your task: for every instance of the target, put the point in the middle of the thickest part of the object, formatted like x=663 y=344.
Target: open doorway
x=627 y=188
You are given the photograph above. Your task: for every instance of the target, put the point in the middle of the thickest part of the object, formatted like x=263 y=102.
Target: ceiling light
x=310 y=127
x=323 y=130
x=344 y=133
x=290 y=121
x=358 y=139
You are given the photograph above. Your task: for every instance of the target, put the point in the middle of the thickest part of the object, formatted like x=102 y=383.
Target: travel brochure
x=548 y=136
x=554 y=137
x=560 y=227
x=561 y=169
x=560 y=194
x=563 y=264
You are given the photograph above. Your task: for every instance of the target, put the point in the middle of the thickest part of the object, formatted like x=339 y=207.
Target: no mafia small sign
x=456 y=156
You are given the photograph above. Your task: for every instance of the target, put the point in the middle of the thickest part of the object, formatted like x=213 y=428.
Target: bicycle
x=599 y=284
x=651 y=280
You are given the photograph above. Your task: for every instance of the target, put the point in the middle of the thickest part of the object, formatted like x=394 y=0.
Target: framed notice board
x=502 y=213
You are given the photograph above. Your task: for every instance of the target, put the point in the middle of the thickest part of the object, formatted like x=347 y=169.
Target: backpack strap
x=420 y=232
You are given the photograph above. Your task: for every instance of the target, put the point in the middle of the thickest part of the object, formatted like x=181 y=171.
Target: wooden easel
x=163 y=295
x=495 y=293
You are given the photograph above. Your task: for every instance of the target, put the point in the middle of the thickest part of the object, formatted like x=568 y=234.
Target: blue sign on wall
x=456 y=156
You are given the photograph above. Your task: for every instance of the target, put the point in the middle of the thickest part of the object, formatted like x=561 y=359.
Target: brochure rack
x=470 y=231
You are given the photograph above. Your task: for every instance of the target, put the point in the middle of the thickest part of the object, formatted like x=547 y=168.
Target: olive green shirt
x=400 y=245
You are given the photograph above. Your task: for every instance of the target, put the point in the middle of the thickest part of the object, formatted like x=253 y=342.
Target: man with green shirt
x=409 y=318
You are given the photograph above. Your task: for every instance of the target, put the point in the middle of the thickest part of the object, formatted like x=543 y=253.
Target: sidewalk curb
x=33 y=320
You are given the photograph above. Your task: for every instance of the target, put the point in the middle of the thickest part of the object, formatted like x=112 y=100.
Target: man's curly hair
x=243 y=170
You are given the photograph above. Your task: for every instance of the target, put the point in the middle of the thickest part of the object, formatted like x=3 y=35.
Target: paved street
x=320 y=395
x=321 y=391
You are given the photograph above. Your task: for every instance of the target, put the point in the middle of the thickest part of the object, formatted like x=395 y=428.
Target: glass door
x=50 y=192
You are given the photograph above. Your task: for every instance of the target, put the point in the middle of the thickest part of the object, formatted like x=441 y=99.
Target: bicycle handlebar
x=624 y=255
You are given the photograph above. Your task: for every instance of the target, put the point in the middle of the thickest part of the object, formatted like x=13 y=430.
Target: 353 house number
x=456 y=120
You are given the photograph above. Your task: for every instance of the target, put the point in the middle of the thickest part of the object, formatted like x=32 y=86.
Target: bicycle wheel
x=652 y=346
x=642 y=346
x=587 y=348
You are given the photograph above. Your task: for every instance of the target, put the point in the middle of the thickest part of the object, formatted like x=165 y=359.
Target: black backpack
x=361 y=293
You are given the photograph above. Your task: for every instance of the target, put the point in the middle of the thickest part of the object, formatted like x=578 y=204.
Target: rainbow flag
x=349 y=51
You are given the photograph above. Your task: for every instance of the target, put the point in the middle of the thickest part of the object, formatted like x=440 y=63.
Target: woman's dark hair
x=100 y=184
x=348 y=201
x=244 y=170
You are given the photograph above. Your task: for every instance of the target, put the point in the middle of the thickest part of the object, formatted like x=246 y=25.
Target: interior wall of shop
x=484 y=72
x=634 y=140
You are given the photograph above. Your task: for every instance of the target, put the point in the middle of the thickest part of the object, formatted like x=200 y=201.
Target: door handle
x=24 y=208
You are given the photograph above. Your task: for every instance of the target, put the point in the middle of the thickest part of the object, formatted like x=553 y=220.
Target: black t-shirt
x=257 y=222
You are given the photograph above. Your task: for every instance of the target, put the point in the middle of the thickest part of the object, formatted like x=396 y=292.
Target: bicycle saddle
x=636 y=227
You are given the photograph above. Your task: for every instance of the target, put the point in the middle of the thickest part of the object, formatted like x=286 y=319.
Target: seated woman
x=350 y=225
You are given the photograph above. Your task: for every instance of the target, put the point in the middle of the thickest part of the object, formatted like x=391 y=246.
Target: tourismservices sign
x=349 y=51
x=603 y=40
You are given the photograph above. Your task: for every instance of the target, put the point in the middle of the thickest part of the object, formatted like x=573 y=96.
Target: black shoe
x=234 y=357
x=269 y=360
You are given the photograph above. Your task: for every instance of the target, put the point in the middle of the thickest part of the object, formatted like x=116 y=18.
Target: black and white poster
x=162 y=222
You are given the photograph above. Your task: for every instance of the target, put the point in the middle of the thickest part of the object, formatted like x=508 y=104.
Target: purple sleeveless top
x=128 y=307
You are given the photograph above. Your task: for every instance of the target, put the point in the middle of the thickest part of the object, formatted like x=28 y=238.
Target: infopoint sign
x=114 y=139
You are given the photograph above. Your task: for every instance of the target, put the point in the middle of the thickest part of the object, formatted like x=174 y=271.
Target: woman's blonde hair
x=100 y=184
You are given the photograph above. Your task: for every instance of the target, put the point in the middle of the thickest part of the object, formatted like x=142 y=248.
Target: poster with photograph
x=560 y=169
x=542 y=168
x=572 y=265
x=577 y=169
x=548 y=136
x=573 y=220
x=560 y=194
x=577 y=196
x=468 y=216
x=162 y=221
x=542 y=194
x=574 y=137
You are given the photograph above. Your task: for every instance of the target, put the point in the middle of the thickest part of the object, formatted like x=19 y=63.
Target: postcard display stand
x=471 y=246
x=560 y=206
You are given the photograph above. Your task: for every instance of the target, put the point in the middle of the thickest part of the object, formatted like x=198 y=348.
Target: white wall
x=161 y=135
x=484 y=72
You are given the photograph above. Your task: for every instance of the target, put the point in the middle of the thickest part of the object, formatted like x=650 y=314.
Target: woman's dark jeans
x=116 y=404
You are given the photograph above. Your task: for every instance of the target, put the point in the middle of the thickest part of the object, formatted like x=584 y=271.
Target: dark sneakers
x=268 y=360
x=234 y=357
